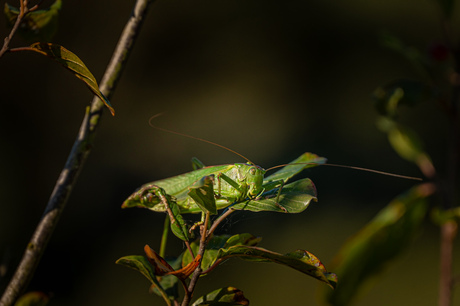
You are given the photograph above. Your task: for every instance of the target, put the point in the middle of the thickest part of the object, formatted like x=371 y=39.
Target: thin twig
x=77 y=156
x=22 y=12
x=197 y=272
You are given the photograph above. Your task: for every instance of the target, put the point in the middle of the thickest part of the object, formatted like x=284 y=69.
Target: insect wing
x=177 y=186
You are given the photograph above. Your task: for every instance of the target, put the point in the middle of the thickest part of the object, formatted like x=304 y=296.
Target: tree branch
x=76 y=159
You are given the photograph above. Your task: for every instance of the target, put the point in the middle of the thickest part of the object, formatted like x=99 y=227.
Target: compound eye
x=148 y=197
x=252 y=171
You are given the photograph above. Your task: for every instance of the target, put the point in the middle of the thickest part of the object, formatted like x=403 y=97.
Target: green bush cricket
x=242 y=185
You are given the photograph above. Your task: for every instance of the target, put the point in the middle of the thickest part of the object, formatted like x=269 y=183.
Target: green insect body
x=233 y=183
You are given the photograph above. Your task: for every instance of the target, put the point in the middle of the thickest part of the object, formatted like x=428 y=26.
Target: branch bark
x=77 y=157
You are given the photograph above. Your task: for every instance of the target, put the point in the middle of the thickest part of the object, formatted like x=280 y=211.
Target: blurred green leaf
x=202 y=192
x=300 y=260
x=378 y=243
x=72 y=63
x=223 y=297
x=407 y=144
x=38 y=25
x=387 y=99
x=34 y=298
x=440 y=216
x=413 y=55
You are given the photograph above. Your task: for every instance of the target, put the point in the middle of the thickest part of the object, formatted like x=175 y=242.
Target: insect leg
x=274 y=184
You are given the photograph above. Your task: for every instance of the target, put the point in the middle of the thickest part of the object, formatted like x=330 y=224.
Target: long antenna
x=196 y=138
x=249 y=161
x=355 y=168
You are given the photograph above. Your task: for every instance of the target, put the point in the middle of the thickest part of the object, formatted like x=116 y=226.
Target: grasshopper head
x=254 y=180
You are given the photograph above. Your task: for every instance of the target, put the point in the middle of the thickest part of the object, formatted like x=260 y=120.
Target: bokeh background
x=268 y=79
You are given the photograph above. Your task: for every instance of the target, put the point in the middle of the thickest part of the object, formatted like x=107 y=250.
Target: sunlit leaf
x=379 y=242
x=34 y=298
x=72 y=63
x=300 y=260
x=39 y=25
x=295 y=198
x=215 y=244
x=222 y=297
x=305 y=161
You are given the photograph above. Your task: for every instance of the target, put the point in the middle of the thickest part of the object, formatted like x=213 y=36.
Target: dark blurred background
x=268 y=79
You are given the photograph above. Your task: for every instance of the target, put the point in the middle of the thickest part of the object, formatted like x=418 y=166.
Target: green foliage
x=378 y=243
x=223 y=297
x=40 y=25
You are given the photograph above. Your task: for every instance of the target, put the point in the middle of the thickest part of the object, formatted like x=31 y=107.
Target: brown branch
x=197 y=272
x=76 y=159
x=448 y=233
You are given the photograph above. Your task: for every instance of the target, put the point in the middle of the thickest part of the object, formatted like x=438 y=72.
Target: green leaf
x=156 y=199
x=413 y=55
x=202 y=192
x=215 y=244
x=379 y=242
x=72 y=63
x=166 y=287
x=178 y=226
x=408 y=145
x=300 y=260
x=222 y=297
x=34 y=298
x=387 y=99
x=306 y=160
x=38 y=25
x=242 y=239
x=295 y=198
x=440 y=216
x=142 y=265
